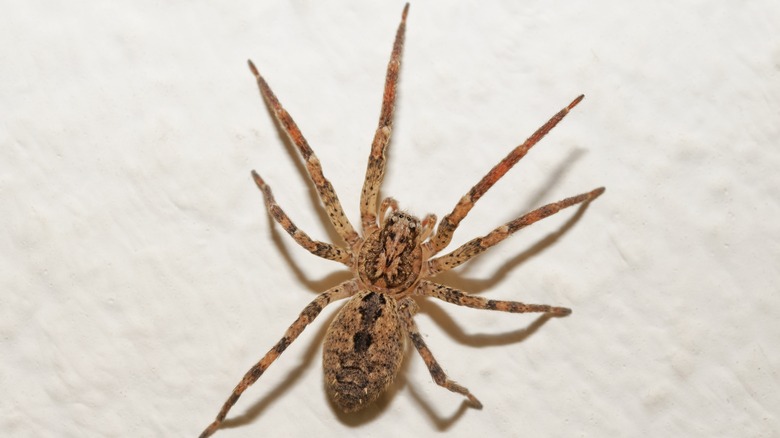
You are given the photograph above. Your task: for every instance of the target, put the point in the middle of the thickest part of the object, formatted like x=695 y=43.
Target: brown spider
x=364 y=345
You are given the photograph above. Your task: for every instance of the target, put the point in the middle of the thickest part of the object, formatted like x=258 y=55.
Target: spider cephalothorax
x=391 y=264
x=390 y=258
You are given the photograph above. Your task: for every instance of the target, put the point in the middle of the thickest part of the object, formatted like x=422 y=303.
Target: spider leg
x=450 y=222
x=376 y=160
x=480 y=244
x=324 y=188
x=461 y=298
x=308 y=314
x=321 y=249
x=434 y=368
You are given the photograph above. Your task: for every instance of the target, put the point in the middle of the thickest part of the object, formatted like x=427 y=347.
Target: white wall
x=140 y=276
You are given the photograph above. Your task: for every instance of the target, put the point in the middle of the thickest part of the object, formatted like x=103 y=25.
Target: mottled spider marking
x=363 y=350
x=364 y=345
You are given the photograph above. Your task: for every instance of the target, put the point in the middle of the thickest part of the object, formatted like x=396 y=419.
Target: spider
x=391 y=264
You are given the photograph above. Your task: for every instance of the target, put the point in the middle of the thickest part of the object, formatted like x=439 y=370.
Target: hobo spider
x=391 y=264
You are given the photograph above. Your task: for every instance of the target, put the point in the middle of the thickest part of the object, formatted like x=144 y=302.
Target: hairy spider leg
x=308 y=314
x=320 y=249
x=478 y=245
x=406 y=309
x=460 y=298
x=450 y=222
x=376 y=160
x=324 y=188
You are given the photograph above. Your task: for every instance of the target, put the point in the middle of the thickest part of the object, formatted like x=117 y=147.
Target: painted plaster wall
x=140 y=276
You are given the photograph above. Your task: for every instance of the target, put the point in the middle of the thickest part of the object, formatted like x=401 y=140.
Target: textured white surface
x=141 y=276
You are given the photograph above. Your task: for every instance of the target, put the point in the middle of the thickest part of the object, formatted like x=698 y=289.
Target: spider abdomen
x=363 y=350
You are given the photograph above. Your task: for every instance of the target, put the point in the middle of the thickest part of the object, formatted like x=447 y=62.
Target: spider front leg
x=321 y=249
x=454 y=296
x=480 y=244
x=310 y=312
x=405 y=311
x=450 y=222
x=324 y=188
x=376 y=160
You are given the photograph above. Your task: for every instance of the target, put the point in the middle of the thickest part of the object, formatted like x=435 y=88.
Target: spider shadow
x=441 y=423
x=317 y=286
x=470 y=285
x=480 y=340
x=291 y=379
x=552 y=180
x=554 y=177
x=380 y=405
x=377 y=408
